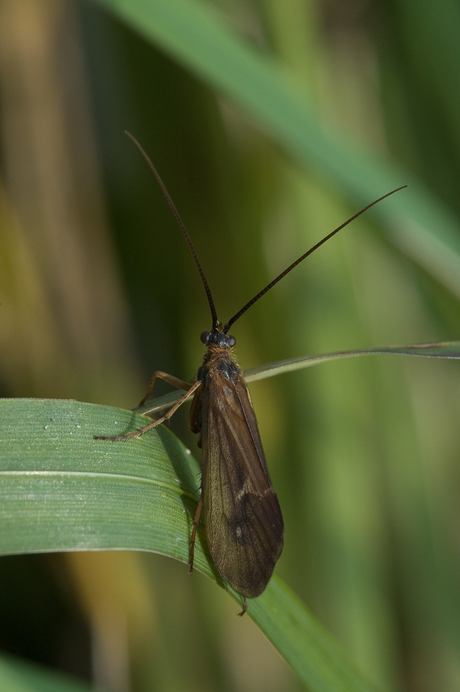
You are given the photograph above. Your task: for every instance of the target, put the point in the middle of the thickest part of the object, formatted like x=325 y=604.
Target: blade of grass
x=62 y=490
x=193 y=33
x=444 y=349
x=314 y=655
x=18 y=676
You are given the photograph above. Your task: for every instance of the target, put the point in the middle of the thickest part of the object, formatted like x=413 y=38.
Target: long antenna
x=182 y=227
x=298 y=261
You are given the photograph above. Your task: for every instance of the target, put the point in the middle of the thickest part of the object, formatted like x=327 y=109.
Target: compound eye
x=231 y=340
x=204 y=337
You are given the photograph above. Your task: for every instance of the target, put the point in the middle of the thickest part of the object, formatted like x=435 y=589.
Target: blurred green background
x=98 y=289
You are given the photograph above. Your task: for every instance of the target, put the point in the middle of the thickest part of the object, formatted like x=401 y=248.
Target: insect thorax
x=222 y=359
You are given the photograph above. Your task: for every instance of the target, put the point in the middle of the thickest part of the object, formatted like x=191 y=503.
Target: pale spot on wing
x=243 y=491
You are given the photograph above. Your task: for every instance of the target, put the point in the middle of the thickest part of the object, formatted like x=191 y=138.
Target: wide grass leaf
x=60 y=489
x=195 y=35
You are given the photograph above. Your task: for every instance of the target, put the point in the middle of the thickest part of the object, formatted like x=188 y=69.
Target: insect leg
x=195 y=525
x=150 y=426
x=170 y=379
x=245 y=607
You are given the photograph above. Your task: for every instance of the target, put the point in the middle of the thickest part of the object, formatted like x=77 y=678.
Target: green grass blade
x=318 y=660
x=18 y=676
x=444 y=349
x=63 y=490
x=60 y=489
x=194 y=34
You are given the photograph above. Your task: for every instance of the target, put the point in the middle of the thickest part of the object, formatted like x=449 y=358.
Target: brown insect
x=242 y=516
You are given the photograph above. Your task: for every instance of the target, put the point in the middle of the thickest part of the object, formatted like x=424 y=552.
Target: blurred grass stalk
x=363 y=453
x=68 y=324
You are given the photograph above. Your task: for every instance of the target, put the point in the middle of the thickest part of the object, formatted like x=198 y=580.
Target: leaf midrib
x=105 y=476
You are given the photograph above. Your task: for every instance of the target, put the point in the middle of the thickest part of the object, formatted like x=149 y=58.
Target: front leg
x=136 y=433
x=170 y=379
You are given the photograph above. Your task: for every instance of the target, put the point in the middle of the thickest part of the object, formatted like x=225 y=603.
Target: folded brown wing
x=243 y=520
